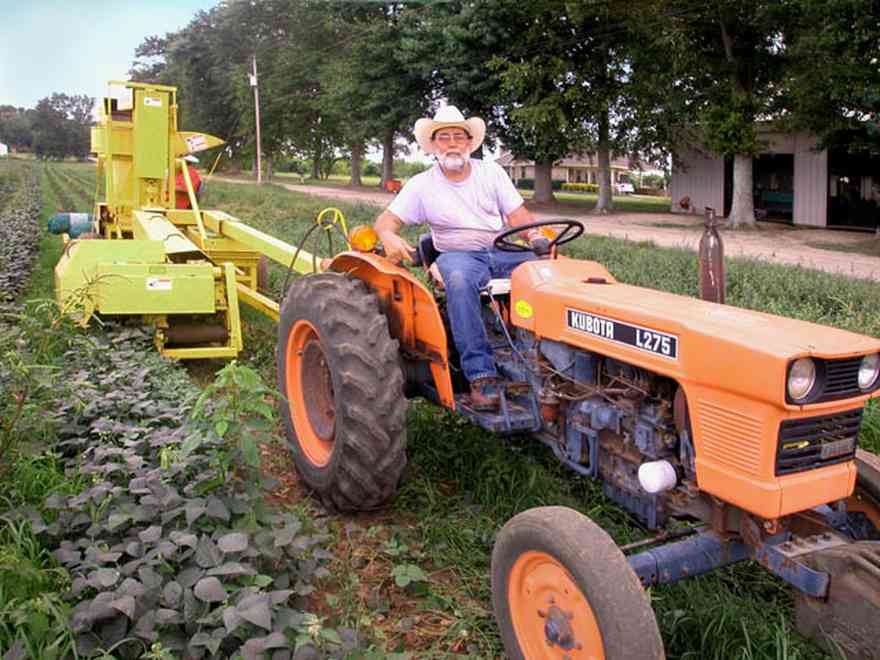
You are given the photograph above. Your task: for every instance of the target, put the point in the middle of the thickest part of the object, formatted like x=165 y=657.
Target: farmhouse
x=574 y=168
x=794 y=182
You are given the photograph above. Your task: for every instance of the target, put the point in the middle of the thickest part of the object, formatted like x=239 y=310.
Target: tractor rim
x=310 y=393
x=551 y=616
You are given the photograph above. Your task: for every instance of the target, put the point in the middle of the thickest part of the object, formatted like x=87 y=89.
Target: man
x=466 y=202
x=181 y=200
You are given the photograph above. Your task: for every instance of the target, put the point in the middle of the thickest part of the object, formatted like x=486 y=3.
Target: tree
x=727 y=61
x=464 y=49
x=833 y=78
x=150 y=64
x=554 y=80
x=61 y=126
x=385 y=92
x=15 y=127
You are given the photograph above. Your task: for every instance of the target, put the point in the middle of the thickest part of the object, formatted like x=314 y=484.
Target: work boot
x=484 y=394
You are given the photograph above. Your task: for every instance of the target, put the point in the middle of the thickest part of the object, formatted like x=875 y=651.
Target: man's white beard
x=454 y=162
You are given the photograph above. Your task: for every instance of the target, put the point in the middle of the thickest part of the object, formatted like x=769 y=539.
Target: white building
x=4 y=150
x=794 y=182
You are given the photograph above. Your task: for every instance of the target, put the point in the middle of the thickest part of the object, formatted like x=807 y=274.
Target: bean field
x=128 y=529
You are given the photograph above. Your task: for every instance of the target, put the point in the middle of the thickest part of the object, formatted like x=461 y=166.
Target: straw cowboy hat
x=449 y=117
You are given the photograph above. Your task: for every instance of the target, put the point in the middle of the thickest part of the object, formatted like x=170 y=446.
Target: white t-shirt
x=464 y=216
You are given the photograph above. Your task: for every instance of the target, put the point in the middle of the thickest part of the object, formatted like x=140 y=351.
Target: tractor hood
x=579 y=303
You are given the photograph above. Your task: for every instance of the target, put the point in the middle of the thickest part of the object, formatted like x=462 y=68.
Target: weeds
x=232 y=416
x=33 y=616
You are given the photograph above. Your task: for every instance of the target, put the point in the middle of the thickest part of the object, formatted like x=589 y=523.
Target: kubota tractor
x=744 y=422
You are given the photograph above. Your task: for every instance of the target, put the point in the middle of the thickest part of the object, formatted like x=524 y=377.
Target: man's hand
x=539 y=243
x=396 y=248
x=434 y=272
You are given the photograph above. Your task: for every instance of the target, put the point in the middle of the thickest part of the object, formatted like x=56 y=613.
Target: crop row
x=9 y=181
x=166 y=545
x=67 y=197
x=84 y=187
x=19 y=229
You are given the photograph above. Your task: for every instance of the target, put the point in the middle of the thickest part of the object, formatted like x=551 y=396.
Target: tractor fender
x=413 y=316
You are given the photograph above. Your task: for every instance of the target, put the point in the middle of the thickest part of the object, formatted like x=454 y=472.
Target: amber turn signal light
x=363 y=238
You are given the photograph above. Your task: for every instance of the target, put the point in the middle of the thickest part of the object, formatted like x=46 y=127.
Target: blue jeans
x=464 y=274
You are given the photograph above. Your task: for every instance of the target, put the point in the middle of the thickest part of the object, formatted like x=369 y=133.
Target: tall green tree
x=833 y=77
x=727 y=63
x=150 y=61
x=449 y=45
x=569 y=85
x=61 y=125
x=554 y=81
x=16 y=129
x=385 y=91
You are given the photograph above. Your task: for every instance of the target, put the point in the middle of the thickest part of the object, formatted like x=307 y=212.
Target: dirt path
x=770 y=242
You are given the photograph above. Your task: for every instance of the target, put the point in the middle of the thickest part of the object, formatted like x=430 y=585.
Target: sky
x=76 y=46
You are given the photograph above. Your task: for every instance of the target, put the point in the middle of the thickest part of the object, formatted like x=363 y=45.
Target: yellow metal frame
x=169 y=252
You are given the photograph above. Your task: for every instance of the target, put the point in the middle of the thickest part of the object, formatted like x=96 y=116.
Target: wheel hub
x=558 y=630
x=318 y=390
x=551 y=616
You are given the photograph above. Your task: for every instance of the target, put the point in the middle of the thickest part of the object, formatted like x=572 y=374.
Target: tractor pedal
x=846 y=621
x=516 y=414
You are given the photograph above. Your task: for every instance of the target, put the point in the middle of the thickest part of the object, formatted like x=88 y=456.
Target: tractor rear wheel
x=561 y=588
x=344 y=411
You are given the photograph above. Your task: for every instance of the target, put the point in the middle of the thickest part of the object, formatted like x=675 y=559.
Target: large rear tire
x=562 y=588
x=343 y=411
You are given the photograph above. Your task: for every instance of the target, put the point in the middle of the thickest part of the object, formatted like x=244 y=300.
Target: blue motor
x=72 y=224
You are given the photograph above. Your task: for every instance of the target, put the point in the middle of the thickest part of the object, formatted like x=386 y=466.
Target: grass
x=870 y=247
x=628 y=203
x=672 y=225
x=333 y=181
x=463 y=485
x=575 y=201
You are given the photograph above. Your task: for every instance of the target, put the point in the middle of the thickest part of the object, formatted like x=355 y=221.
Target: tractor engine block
x=607 y=418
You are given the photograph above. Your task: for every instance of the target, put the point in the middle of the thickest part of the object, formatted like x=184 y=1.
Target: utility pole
x=253 y=77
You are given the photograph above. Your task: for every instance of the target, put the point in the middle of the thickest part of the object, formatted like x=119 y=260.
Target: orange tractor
x=742 y=422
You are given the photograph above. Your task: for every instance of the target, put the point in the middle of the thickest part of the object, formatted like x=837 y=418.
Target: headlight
x=801 y=378
x=869 y=370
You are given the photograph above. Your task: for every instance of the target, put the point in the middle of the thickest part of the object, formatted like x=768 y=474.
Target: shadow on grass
x=870 y=247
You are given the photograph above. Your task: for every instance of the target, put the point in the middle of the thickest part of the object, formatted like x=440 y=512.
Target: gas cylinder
x=72 y=224
x=712 y=276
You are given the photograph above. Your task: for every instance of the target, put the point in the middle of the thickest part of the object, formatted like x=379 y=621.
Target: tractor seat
x=426 y=253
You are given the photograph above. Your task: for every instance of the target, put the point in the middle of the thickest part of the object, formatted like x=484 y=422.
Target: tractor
x=738 y=427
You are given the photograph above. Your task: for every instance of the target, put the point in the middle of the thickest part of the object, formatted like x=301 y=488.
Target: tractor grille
x=841 y=379
x=814 y=442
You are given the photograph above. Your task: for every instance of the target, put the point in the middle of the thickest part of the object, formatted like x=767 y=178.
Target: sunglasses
x=447 y=138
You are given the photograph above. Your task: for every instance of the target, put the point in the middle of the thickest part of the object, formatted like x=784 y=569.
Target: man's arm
x=520 y=216
x=388 y=226
x=537 y=239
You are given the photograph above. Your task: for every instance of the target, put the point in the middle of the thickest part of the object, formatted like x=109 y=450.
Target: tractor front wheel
x=561 y=589
x=344 y=411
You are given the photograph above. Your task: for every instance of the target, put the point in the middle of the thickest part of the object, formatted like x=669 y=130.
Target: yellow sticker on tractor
x=524 y=309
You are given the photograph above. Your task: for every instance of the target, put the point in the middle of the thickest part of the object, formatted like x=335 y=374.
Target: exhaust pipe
x=711 y=255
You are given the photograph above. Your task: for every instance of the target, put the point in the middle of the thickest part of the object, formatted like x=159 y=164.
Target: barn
x=795 y=182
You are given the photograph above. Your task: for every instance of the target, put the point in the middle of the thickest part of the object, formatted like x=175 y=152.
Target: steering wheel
x=572 y=229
